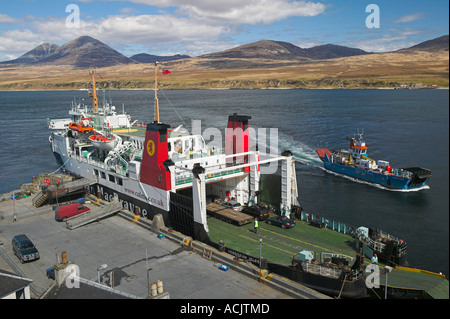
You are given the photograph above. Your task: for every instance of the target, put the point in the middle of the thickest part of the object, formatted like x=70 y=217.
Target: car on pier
x=24 y=248
x=281 y=221
x=66 y=211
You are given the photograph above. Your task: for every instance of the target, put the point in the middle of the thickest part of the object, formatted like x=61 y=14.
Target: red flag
x=166 y=72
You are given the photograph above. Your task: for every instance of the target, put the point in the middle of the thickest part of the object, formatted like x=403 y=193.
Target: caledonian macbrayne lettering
x=108 y=195
x=239 y=309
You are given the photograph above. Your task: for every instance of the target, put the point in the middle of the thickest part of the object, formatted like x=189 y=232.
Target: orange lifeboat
x=102 y=142
x=81 y=126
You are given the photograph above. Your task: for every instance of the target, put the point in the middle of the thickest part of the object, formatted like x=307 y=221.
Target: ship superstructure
x=155 y=169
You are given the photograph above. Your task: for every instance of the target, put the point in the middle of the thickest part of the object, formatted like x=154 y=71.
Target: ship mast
x=94 y=93
x=156 y=94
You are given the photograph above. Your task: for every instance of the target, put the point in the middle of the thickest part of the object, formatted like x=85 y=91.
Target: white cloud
x=238 y=11
x=199 y=26
x=154 y=31
x=252 y=11
x=18 y=41
x=385 y=43
x=155 y=28
x=7 y=19
x=410 y=18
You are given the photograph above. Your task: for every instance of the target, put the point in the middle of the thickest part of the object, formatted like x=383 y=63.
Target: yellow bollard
x=159 y=285
x=153 y=289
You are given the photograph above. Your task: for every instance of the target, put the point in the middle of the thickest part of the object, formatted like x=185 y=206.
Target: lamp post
x=260 y=245
x=148 y=277
x=101 y=267
x=388 y=269
x=57 y=185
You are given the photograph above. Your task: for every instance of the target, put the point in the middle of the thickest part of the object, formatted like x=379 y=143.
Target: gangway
x=94 y=214
x=61 y=192
x=40 y=199
x=78 y=182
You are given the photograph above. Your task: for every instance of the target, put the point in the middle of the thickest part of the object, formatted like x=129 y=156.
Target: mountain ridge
x=150 y=58
x=37 y=54
x=86 y=52
x=433 y=45
x=279 y=50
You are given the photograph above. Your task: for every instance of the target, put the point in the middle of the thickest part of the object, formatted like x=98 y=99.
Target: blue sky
x=195 y=27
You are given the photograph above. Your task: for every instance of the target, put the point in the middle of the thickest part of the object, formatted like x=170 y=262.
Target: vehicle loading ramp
x=228 y=214
x=405 y=279
x=94 y=214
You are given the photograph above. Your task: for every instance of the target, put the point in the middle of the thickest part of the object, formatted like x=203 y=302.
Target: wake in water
x=302 y=153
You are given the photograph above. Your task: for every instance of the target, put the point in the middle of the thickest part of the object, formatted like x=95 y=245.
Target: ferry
x=158 y=169
x=161 y=172
x=356 y=163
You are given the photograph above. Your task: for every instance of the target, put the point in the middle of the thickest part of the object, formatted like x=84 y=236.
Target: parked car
x=24 y=248
x=67 y=211
x=281 y=221
x=50 y=273
x=256 y=211
x=232 y=204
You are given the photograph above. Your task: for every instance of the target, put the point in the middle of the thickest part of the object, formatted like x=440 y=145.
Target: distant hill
x=434 y=45
x=85 y=52
x=149 y=58
x=331 y=51
x=264 y=49
x=39 y=53
x=278 y=50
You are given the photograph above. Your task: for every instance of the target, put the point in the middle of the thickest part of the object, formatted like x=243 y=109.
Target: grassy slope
x=375 y=70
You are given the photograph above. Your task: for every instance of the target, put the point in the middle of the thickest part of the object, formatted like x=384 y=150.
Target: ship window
x=119 y=181
x=103 y=175
x=95 y=172
x=111 y=178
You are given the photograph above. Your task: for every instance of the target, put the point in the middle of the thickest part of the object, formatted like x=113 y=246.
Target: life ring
x=351 y=231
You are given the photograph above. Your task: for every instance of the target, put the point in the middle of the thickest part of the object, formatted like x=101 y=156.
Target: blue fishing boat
x=355 y=163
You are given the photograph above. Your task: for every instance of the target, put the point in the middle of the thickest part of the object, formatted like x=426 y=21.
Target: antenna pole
x=156 y=94
x=94 y=93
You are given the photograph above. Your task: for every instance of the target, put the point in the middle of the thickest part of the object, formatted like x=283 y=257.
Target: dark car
x=51 y=273
x=24 y=249
x=256 y=211
x=281 y=221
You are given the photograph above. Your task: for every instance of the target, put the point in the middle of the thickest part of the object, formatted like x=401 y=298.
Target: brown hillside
x=373 y=70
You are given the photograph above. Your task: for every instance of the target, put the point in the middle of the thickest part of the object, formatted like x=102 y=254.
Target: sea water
x=405 y=127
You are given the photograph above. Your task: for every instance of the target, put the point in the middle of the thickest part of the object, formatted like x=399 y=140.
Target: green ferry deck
x=280 y=245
